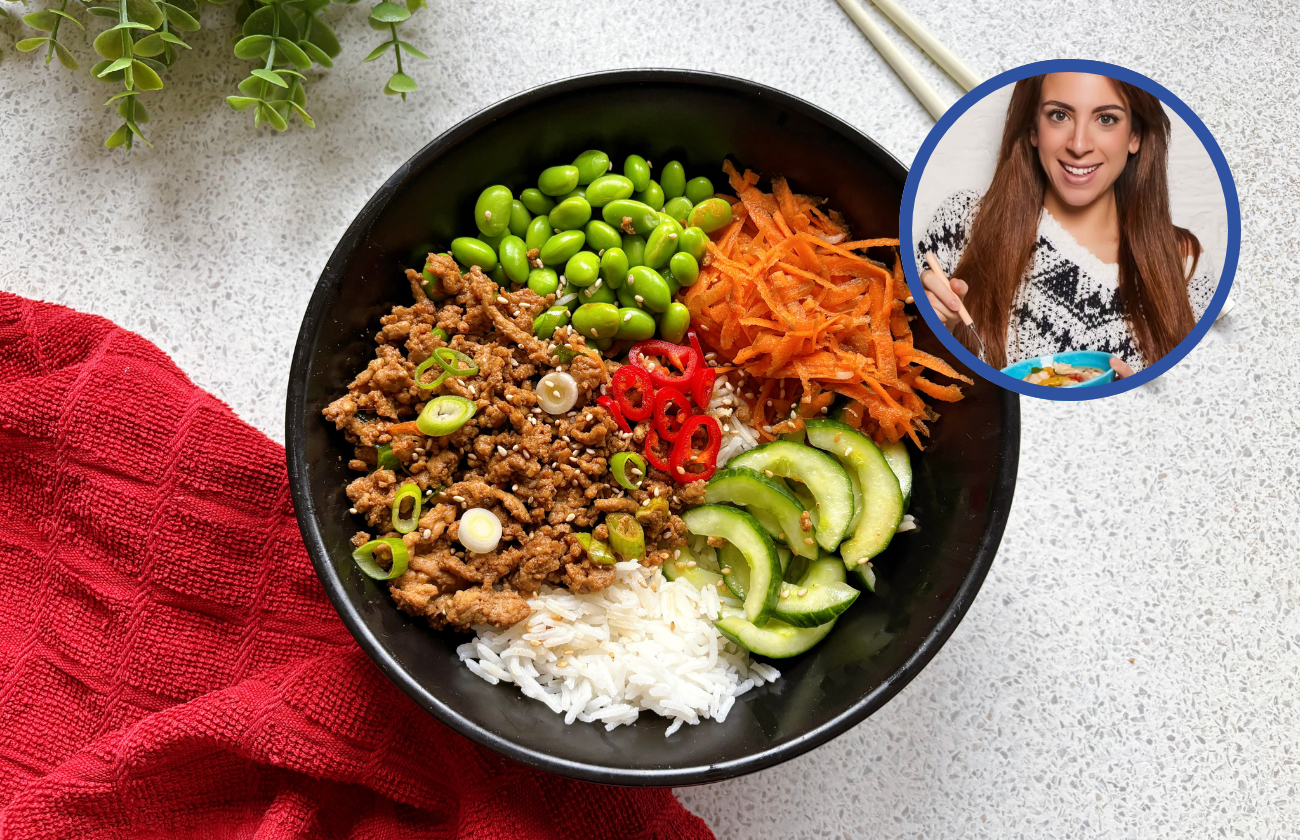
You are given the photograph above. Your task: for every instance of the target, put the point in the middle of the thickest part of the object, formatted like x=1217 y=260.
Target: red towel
x=171 y=667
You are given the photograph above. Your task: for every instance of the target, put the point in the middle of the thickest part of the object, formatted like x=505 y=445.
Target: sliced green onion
x=452 y=362
x=597 y=551
x=406 y=524
x=479 y=530
x=618 y=465
x=365 y=557
x=387 y=460
x=626 y=536
x=444 y=415
x=651 y=510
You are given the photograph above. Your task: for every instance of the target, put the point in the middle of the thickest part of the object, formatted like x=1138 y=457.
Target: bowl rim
x=305 y=510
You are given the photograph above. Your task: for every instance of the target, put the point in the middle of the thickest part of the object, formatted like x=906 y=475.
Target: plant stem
x=54 y=33
x=397 y=49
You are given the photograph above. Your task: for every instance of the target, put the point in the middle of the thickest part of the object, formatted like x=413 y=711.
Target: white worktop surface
x=1132 y=664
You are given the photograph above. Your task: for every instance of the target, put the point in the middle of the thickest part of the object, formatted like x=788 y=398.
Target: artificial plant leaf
x=156 y=65
x=293 y=52
x=120 y=64
x=173 y=39
x=388 y=12
x=132 y=24
x=145 y=76
x=252 y=86
x=123 y=95
x=29 y=44
x=241 y=103
x=252 y=46
x=102 y=11
x=190 y=6
x=303 y=115
x=67 y=16
x=145 y=11
x=43 y=20
x=316 y=54
x=410 y=50
x=270 y=76
x=261 y=22
x=109 y=44
x=414 y=6
x=181 y=19
x=400 y=83
x=378 y=51
x=298 y=95
x=323 y=36
x=117 y=138
x=135 y=129
x=133 y=109
x=65 y=57
x=150 y=45
x=273 y=117
x=100 y=71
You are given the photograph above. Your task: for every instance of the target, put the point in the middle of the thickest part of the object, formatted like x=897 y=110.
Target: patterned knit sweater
x=1068 y=299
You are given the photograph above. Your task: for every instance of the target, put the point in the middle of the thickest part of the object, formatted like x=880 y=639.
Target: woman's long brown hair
x=1152 y=280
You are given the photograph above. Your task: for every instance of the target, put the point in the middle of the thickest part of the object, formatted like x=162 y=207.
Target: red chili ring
x=658 y=463
x=612 y=407
x=684 y=453
x=668 y=424
x=687 y=359
x=625 y=379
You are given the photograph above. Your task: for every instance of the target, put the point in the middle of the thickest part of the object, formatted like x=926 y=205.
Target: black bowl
x=963 y=481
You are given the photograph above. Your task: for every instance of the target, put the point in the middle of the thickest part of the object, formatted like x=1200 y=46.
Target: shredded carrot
x=797 y=310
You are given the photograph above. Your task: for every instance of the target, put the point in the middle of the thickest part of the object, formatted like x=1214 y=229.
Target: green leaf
x=150 y=46
x=241 y=103
x=130 y=24
x=252 y=46
x=260 y=22
x=68 y=17
x=123 y=95
x=191 y=6
x=43 y=20
x=388 y=12
x=298 y=95
x=378 y=51
x=135 y=129
x=323 y=36
x=65 y=57
x=271 y=76
x=156 y=65
x=415 y=5
x=102 y=11
x=400 y=83
x=109 y=44
x=145 y=11
x=407 y=48
x=303 y=115
x=316 y=54
x=145 y=77
x=293 y=52
x=29 y=44
x=252 y=86
x=117 y=138
x=133 y=109
x=100 y=71
x=120 y=64
x=173 y=39
x=272 y=116
x=180 y=19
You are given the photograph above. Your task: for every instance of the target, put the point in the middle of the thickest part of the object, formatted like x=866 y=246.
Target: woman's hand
x=1121 y=368
x=945 y=297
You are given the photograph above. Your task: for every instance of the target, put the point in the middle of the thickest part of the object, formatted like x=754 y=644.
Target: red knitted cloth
x=171 y=667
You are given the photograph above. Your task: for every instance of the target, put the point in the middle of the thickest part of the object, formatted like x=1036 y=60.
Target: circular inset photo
x=1075 y=229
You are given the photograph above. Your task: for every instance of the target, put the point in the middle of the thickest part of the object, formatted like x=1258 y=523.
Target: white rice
x=643 y=643
x=736 y=436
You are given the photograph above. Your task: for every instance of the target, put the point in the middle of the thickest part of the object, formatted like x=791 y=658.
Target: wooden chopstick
x=942 y=56
x=919 y=86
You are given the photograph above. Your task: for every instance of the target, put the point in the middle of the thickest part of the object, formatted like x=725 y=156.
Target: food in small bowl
x=1061 y=374
x=1072 y=369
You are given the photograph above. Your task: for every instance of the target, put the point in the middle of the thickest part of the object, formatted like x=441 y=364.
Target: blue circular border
x=908 y=239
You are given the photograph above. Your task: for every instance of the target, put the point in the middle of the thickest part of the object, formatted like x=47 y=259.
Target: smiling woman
x=1072 y=246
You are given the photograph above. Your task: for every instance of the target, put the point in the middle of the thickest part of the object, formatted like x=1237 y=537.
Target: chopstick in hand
x=933 y=261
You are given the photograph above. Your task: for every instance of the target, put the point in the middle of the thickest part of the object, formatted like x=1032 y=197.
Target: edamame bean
x=513 y=255
x=557 y=180
x=601 y=237
x=561 y=246
x=684 y=267
x=649 y=288
x=662 y=242
x=635 y=325
x=545 y=324
x=602 y=344
x=608 y=188
x=580 y=192
x=591 y=164
x=492 y=210
x=493 y=241
x=519 y=218
x=695 y=242
x=543 y=281
x=672 y=179
x=613 y=268
x=582 y=269
x=599 y=293
x=710 y=215
x=673 y=286
x=674 y=322
x=470 y=251
x=627 y=297
x=637 y=171
x=630 y=216
x=570 y=214
x=537 y=203
x=698 y=189
x=498 y=275
x=634 y=248
x=539 y=230
x=596 y=320
x=679 y=208
x=653 y=195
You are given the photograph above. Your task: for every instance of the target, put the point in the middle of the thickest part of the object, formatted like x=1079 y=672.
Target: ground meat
x=544 y=477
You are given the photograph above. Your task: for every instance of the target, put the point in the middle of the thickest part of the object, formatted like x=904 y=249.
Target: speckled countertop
x=1132 y=665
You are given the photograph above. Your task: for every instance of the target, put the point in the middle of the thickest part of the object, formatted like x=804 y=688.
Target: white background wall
x=966 y=156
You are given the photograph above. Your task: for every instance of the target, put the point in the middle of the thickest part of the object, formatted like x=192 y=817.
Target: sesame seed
x=571 y=517
x=568 y=652
x=680 y=565
x=785 y=593
x=501 y=299
x=514 y=488
x=769 y=473
x=807 y=541
x=535 y=642
x=691 y=564
x=726 y=570
x=672 y=236
x=681 y=471
x=802 y=592
x=561 y=664
x=595 y=333
x=637 y=298
x=677 y=552
x=487 y=214
x=631 y=280
x=862 y=562
x=352 y=510
x=501 y=450
x=460 y=499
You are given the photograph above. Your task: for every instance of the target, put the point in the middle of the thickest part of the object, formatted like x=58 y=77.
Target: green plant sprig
x=285 y=37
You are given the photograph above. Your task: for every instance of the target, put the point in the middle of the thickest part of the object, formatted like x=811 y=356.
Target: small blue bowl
x=1078 y=358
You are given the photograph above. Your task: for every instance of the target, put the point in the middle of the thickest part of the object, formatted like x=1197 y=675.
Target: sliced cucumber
x=882 y=494
x=698 y=574
x=736 y=575
x=776 y=639
x=824 y=477
x=772 y=504
x=819 y=597
x=901 y=464
x=743 y=532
